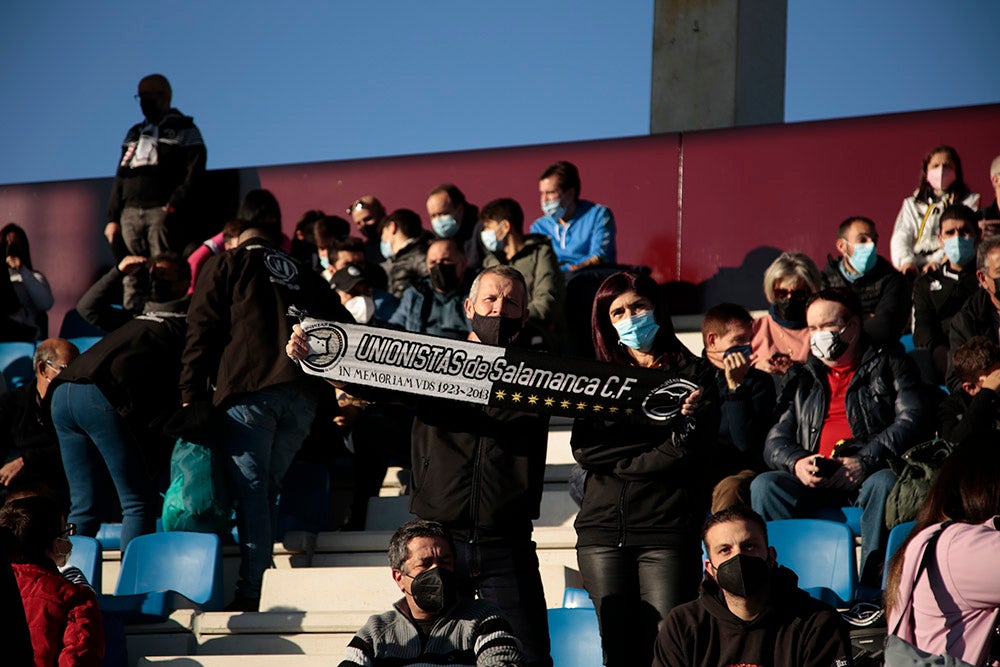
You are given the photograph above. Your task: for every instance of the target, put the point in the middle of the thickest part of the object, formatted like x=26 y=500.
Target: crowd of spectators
x=809 y=405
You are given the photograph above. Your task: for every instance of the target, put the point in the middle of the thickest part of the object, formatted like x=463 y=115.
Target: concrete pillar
x=717 y=63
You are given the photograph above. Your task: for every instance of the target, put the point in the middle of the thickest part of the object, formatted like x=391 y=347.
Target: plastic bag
x=198 y=498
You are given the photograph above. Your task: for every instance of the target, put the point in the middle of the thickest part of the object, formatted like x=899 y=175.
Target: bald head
x=51 y=356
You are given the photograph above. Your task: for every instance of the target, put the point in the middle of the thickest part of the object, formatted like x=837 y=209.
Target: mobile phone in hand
x=826 y=467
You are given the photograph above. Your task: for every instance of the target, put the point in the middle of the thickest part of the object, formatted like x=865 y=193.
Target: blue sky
x=311 y=81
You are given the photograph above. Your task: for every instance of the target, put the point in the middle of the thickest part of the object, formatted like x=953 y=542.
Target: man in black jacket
x=751 y=611
x=479 y=471
x=746 y=402
x=975 y=407
x=233 y=361
x=851 y=408
x=885 y=295
x=161 y=161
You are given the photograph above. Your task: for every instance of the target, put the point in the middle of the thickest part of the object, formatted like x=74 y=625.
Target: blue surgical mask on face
x=638 y=332
x=324 y=262
x=553 y=208
x=386 y=249
x=490 y=240
x=445 y=226
x=961 y=250
x=745 y=350
x=863 y=258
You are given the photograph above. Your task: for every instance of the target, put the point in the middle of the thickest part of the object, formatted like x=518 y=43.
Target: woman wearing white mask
x=646 y=491
x=914 y=246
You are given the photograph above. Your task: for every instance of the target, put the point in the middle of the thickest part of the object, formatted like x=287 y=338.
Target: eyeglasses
x=70 y=529
x=55 y=366
x=782 y=294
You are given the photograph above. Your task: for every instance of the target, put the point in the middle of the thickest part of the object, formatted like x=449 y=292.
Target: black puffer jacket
x=407 y=266
x=884 y=408
x=647 y=485
x=885 y=297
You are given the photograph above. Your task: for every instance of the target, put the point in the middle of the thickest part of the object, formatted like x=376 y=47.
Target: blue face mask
x=863 y=259
x=386 y=249
x=445 y=226
x=745 y=350
x=324 y=262
x=490 y=240
x=554 y=209
x=961 y=250
x=638 y=332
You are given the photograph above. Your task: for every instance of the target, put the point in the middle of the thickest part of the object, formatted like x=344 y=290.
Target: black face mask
x=496 y=329
x=434 y=589
x=371 y=232
x=792 y=309
x=743 y=575
x=444 y=278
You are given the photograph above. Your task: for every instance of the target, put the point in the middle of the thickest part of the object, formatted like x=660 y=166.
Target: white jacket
x=906 y=247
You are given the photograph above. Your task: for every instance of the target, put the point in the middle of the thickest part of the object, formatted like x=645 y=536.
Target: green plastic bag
x=198 y=497
x=914 y=475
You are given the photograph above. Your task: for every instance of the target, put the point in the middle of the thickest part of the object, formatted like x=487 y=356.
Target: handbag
x=198 y=498
x=898 y=651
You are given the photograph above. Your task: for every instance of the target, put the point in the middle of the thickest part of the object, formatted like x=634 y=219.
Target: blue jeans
x=633 y=589
x=91 y=431
x=260 y=433
x=780 y=495
x=507 y=575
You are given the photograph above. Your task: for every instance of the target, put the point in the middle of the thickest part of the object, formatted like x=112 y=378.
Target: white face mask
x=361 y=308
x=828 y=345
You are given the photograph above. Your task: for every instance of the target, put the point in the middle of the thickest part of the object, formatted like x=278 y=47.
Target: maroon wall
x=710 y=208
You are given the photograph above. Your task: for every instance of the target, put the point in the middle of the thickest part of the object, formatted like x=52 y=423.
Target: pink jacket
x=957 y=616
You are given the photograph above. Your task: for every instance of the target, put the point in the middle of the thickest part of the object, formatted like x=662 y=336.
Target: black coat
x=937 y=297
x=647 y=484
x=978 y=317
x=885 y=298
x=885 y=409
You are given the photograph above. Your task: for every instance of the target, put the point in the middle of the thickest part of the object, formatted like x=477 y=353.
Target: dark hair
x=844 y=296
x=260 y=210
x=456 y=196
x=23 y=249
x=330 y=229
x=605 y=336
x=843 y=227
x=719 y=318
x=958 y=188
x=35 y=522
x=504 y=209
x=349 y=244
x=173 y=259
x=734 y=513
x=407 y=221
x=963 y=213
x=965 y=490
x=233 y=229
x=566 y=175
x=975 y=357
x=399 y=543
x=307 y=223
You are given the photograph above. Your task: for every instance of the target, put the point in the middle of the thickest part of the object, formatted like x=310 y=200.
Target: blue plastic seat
x=87 y=556
x=577 y=598
x=162 y=572
x=110 y=535
x=849 y=516
x=575 y=637
x=907 y=342
x=16 y=363
x=84 y=343
x=897 y=536
x=821 y=553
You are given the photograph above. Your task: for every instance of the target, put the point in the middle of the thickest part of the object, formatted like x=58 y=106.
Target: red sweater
x=63 y=617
